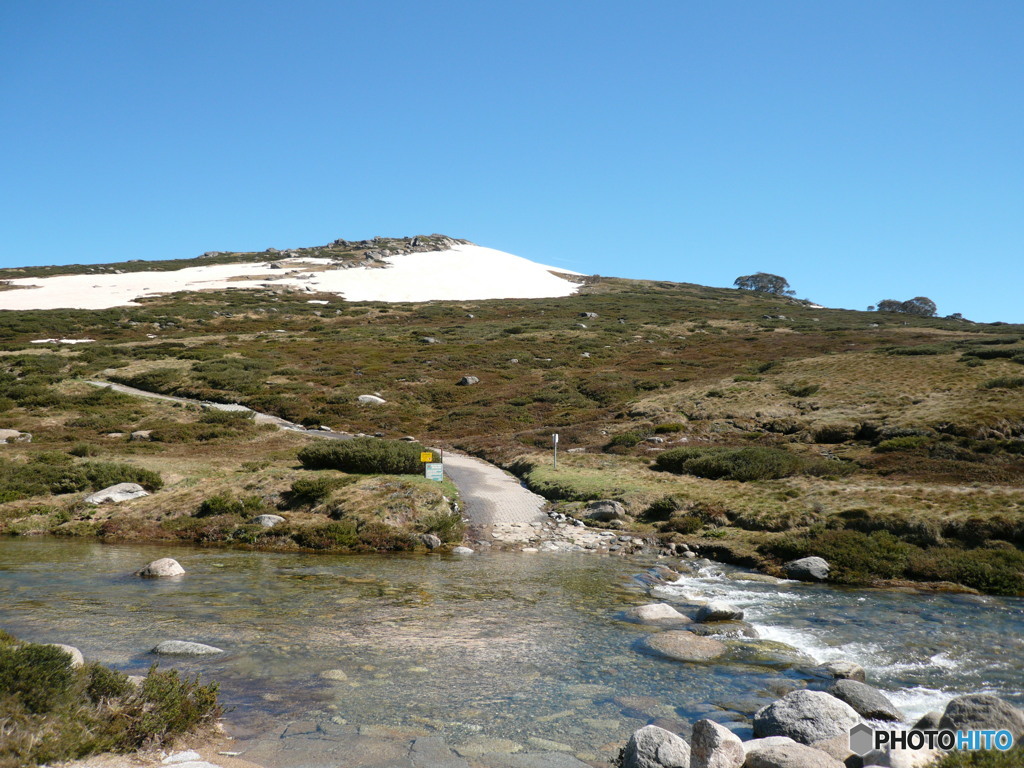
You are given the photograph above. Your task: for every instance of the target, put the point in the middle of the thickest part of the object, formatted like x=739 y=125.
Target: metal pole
x=554 y=442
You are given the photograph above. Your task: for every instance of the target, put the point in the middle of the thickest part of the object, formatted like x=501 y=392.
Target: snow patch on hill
x=463 y=273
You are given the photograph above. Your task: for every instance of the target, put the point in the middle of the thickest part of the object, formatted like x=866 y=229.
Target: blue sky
x=864 y=150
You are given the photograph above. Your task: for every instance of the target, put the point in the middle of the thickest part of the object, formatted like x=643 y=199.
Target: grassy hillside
x=891 y=425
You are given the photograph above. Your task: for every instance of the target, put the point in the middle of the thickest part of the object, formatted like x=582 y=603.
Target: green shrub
x=227 y=504
x=1005 y=382
x=686 y=524
x=662 y=509
x=446 y=525
x=106 y=683
x=908 y=443
x=743 y=464
x=313 y=490
x=365 y=456
x=40 y=677
x=51 y=472
x=625 y=440
x=983 y=758
x=334 y=535
x=668 y=428
x=800 y=389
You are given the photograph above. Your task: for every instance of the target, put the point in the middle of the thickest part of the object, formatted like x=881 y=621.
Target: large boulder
x=605 y=510
x=430 y=540
x=719 y=610
x=116 y=494
x=808 y=569
x=715 y=746
x=371 y=399
x=790 y=756
x=929 y=721
x=869 y=702
x=467 y=381
x=656 y=613
x=654 y=747
x=806 y=717
x=185 y=648
x=982 y=712
x=165 y=566
x=680 y=645
x=267 y=521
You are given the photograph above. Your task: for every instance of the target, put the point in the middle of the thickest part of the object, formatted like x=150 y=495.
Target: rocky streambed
x=498 y=659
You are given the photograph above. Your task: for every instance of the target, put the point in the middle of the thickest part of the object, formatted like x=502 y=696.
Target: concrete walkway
x=493 y=498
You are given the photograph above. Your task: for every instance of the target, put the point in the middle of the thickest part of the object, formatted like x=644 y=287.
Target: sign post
x=432 y=470
x=554 y=445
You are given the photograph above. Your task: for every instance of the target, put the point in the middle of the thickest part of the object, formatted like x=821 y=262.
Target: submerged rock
x=767 y=653
x=654 y=747
x=680 y=645
x=724 y=629
x=165 y=566
x=806 y=717
x=185 y=648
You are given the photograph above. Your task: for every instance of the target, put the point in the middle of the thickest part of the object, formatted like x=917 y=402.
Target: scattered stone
x=588 y=314
x=115 y=494
x=334 y=675
x=462 y=551
x=715 y=746
x=77 y=660
x=806 y=717
x=14 y=436
x=371 y=399
x=719 y=610
x=656 y=613
x=928 y=722
x=983 y=711
x=467 y=381
x=733 y=629
x=408 y=439
x=869 y=702
x=790 y=756
x=142 y=435
x=684 y=646
x=845 y=670
x=605 y=510
x=654 y=747
x=182 y=757
x=767 y=741
x=430 y=540
x=808 y=569
x=429 y=340
x=185 y=648
x=267 y=521
x=165 y=566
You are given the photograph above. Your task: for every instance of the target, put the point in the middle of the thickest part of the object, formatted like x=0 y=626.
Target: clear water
x=511 y=645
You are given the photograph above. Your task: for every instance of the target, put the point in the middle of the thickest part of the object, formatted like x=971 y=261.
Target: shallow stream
x=505 y=644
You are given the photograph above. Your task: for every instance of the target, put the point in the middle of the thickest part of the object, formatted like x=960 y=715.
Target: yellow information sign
x=427 y=456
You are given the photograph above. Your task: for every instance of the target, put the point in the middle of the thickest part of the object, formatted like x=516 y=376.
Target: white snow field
x=463 y=273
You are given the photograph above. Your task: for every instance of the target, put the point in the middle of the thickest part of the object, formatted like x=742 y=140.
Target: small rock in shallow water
x=719 y=610
x=684 y=646
x=185 y=648
x=165 y=566
x=808 y=569
x=656 y=613
x=462 y=551
x=869 y=702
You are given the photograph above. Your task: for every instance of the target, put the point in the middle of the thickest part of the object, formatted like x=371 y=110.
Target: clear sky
x=862 y=149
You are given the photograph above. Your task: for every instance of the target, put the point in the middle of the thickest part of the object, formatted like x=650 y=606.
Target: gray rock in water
x=165 y=566
x=371 y=399
x=869 y=702
x=928 y=722
x=656 y=613
x=790 y=756
x=844 y=670
x=116 y=494
x=430 y=540
x=605 y=510
x=806 y=717
x=982 y=711
x=467 y=381
x=719 y=610
x=267 y=521
x=185 y=648
x=715 y=746
x=808 y=569
x=732 y=629
x=768 y=653
x=654 y=747
x=462 y=551
x=680 y=645
x=76 y=658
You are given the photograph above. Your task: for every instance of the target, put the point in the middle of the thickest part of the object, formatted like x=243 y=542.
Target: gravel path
x=492 y=497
